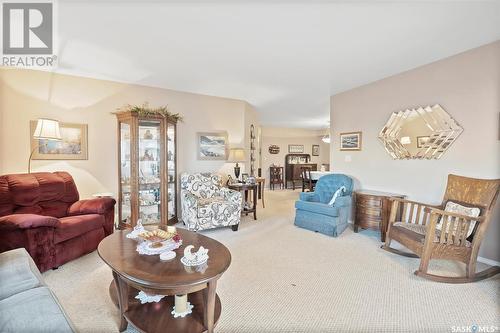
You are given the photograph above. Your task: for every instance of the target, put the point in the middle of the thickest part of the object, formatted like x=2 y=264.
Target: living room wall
x=28 y=95
x=467 y=86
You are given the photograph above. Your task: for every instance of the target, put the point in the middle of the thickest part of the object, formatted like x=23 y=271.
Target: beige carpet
x=286 y=279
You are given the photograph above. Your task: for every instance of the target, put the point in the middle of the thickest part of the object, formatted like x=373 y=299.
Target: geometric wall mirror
x=423 y=132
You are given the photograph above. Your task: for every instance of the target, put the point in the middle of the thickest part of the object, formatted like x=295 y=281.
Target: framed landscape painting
x=350 y=141
x=73 y=145
x=212 y=145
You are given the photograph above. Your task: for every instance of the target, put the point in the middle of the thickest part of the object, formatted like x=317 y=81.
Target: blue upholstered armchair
x=313 y=211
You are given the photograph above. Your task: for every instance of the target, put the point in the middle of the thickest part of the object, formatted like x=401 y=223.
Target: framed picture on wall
x=244 y=177
x=296 y=148
x=315 y=150
x=350 y=141
x=422 y=141
x=72 y=146
x=212 y=145
x=274 y=149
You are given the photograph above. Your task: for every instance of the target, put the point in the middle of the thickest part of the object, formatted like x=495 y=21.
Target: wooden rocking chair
x=417 y=231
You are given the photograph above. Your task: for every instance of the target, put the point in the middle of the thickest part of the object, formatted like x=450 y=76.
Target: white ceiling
x=285 y=58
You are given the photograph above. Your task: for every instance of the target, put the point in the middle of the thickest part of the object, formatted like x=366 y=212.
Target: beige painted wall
x=285 y=136
x=27 y=95
x=468 y=87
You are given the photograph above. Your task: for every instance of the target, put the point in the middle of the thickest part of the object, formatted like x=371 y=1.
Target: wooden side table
x=244 y=188
x=372 y=210
x=133 y=272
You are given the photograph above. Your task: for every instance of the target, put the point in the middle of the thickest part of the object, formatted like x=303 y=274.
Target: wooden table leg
x=246 y=201
x=210 y=293
x=122 y=289
x=263 y=187
x=254 y=203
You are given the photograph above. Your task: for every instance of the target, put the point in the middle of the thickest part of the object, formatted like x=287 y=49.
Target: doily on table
x=183 y=314
x=146 y=298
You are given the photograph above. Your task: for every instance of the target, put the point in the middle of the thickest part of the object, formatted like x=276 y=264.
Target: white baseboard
x=488 y=261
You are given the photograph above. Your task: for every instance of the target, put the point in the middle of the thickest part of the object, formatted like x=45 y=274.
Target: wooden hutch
x=293 y=165
x=147 y=172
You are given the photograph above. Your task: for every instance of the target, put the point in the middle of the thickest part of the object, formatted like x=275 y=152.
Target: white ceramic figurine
x=194 y=259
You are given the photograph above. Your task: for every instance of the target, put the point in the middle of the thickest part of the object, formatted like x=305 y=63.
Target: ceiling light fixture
x=326 y=137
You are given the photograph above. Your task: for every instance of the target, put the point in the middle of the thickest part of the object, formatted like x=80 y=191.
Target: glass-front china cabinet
x=147 y=169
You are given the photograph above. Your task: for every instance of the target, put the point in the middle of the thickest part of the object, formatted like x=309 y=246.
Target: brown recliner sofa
x=42 y=213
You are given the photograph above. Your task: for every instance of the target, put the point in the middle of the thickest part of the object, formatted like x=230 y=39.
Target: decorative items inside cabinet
x=147 y=169
x=172 y=172
x=253 y=150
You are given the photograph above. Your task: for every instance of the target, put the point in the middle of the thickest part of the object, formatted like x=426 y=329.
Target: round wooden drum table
x=133 y=272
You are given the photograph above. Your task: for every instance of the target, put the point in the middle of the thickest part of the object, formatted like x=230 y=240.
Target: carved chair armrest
x=406 y=201
x=453 y=227
x=409 y=211
x=438 y=211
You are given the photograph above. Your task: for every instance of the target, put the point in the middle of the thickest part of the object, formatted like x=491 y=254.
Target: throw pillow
x=453 y=207
x=337 y=194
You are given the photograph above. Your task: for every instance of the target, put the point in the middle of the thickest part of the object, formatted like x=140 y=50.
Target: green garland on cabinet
x=145 y=110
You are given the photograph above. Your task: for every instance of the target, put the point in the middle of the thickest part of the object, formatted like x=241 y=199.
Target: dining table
x=315 y=175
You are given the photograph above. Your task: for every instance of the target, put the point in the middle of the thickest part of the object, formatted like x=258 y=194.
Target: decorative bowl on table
x=156 y=237
x=157 y=241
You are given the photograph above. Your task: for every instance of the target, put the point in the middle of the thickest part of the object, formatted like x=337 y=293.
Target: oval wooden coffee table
x=133 y=272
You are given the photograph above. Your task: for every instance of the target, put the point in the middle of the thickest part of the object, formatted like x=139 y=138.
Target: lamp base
x=237 y=171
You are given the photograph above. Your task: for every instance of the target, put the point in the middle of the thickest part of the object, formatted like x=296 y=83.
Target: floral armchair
x=205 y=204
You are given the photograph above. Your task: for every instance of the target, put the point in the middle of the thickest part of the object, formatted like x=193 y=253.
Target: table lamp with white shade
x=46 y=129
x=236 y=155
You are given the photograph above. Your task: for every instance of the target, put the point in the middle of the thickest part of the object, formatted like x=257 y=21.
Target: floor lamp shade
x=236 y=155
x=47 y=129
